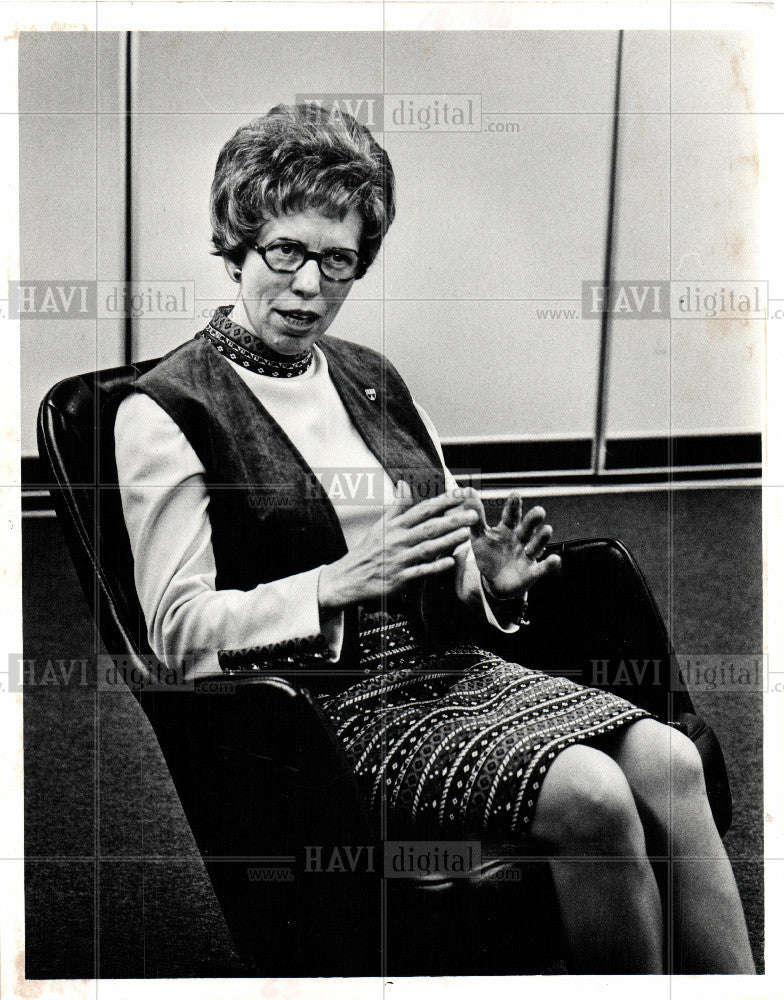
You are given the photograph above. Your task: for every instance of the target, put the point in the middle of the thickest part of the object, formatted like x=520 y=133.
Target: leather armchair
x=262 y=778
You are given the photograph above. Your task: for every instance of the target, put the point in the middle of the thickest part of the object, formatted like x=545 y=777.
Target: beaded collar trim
x=248 y=350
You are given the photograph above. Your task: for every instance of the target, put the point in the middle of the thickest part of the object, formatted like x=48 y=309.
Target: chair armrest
x=255 y=763
x=597 y=623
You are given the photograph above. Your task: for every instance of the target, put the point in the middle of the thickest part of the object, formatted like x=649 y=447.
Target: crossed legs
x=599 y=816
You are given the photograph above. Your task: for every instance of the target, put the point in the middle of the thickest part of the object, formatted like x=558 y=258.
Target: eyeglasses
x=287 y=256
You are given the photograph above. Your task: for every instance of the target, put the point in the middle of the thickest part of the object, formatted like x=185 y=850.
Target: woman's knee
x=586 y=806
x=661 y=764
x=686 y=774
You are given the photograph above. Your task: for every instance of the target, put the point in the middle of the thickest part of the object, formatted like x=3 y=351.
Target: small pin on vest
x=371 y=395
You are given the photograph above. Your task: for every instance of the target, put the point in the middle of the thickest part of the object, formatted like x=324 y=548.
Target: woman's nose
x=307 y=281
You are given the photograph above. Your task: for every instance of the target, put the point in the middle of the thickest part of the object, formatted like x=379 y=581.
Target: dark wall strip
x=519 y=456
x=702 y=449
x=623 y=454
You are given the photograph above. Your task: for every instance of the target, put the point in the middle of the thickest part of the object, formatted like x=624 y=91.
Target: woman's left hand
x=508 y=555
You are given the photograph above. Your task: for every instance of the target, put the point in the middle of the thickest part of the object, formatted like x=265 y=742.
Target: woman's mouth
x=298 y=320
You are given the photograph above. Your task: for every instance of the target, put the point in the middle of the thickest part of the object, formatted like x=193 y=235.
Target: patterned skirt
x=457 y=743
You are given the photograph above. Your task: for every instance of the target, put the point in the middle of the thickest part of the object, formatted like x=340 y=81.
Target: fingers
x=510 y=515
x=530 y=523
x=427 y=569
x=435 y=547
x=432 y=507
x=458 y=517
x=538 y=541
x=541 y=569
x=472 y=501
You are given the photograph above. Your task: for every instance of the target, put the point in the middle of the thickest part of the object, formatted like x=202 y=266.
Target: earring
x=238 y=274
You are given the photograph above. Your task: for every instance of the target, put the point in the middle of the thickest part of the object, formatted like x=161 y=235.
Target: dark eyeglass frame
x=309 y=255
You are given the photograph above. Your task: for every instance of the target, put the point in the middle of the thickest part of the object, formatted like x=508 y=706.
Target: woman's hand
x=508 y=555
x=407 y=542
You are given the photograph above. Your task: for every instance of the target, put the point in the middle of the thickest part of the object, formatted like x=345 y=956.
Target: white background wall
x=490 y=226
x=687 y=209
x=71 y=199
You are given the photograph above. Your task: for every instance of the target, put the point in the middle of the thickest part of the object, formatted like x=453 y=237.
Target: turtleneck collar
x=246 y=349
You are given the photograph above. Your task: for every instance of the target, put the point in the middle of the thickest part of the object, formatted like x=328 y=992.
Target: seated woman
x=228 y=453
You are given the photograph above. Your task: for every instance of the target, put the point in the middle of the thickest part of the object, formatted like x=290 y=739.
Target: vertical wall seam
x=129 y=83
x=599 y=449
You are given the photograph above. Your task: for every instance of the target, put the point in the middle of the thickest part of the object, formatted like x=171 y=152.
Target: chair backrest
x=76 y=447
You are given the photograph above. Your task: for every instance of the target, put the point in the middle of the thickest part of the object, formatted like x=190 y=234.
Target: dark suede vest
x=269 y=516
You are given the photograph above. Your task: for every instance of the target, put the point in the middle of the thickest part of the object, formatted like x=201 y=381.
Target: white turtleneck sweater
x=164 y=500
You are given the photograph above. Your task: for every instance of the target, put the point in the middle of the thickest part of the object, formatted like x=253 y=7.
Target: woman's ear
x=233 y=270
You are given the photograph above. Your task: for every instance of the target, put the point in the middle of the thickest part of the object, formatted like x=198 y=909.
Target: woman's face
x=289 y=312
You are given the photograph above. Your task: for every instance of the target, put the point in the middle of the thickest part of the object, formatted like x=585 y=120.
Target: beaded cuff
x=310 y=651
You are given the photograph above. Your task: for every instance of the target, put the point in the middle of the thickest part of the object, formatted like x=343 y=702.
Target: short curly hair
x=295 y=157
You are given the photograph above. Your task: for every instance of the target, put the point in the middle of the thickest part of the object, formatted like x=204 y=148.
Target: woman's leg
x=664 y=770
x=587 y=822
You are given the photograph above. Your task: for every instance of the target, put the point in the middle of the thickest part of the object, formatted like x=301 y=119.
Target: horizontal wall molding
x=562 y=462
x=638 y=478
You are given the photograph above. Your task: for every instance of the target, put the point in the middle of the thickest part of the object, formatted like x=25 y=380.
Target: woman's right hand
x=408 y=541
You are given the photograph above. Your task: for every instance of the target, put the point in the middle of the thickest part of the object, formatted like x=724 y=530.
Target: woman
x=241 y=459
